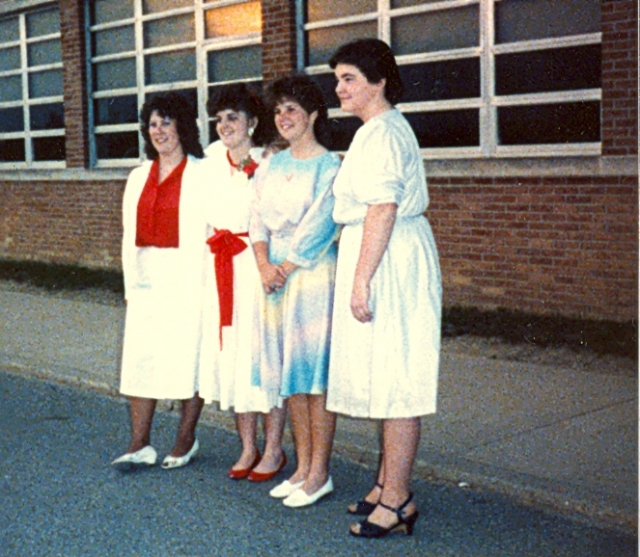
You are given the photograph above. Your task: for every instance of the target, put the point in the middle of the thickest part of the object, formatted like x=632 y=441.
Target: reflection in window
x=116 y=110
x=322 y=43
x=12 y=120
x=234 y=64
x=45 y=84
x=46 y=116
x=12 y=150
x=236 y=19
x=318 y=10
x=446 y=80
x=170 y=66
x=171 y=30
x=446 y=128
x=117 y=145
x=48 y=148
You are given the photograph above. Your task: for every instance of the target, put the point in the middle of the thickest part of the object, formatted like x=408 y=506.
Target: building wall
x=549 y=236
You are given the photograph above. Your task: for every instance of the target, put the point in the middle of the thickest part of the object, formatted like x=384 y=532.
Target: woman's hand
x=360 y=302
x=272 y=277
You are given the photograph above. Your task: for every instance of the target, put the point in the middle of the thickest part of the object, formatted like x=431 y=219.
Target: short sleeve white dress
x=387 y=368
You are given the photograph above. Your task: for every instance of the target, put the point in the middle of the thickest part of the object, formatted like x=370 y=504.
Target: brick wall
x=619 y=77
x=75 y=222
x=545 y=245
x=75 y=83
x=278 y=38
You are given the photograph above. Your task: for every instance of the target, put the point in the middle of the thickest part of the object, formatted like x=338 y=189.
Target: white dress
x=229 y=382
x=387 y=368
x=164 y=289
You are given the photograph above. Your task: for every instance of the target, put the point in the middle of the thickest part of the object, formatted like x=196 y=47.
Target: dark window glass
x=47 y=116
x=117 y=145
x=12 y=150
x=104 y=11
x=170 y=66
x=447 y=128
x=110 y=41
x=11 y=120
x=48 y=149
x=549 y=123
x=115 y=74
x=235 y=63
x=327 y=84
x=116 y=110
x=45 y=52
x=524 y=20
x=9 y=59
x=561 y=69
x=342 y=132
x=43 y=23
x=45 y=84
x=434 y=81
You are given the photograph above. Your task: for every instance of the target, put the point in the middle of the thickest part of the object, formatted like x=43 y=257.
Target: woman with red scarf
x=242 y=127
x=165 y=261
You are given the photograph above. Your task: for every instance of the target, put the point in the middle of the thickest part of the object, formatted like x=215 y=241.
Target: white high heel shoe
x=170 y=462
x=285 y=489
x=147 y=455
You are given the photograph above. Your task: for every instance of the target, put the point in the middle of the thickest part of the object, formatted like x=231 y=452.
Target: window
x=31 y=107
x=142 y=47
x=483 y=78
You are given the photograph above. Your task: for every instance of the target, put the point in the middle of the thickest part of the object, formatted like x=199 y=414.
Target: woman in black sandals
x=387 y=309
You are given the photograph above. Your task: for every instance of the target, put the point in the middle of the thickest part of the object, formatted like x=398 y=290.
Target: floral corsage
x=246 y=165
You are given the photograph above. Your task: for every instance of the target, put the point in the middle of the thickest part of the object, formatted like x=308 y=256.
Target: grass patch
x=515 y=327
x=57 y=277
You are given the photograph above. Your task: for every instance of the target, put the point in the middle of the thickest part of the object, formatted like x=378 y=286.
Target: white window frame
x=202 y=47
x=21 y=11
x=488 y=102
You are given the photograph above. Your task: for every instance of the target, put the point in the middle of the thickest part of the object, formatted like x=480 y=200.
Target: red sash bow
x=225 y=245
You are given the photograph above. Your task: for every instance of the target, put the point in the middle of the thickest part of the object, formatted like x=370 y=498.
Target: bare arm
x=271 y=275
x=378 y=226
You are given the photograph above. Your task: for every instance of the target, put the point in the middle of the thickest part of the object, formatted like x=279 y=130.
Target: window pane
x=9 y=59
x=562 y=69
x=342 y=132
x=170 y=66
x=434 y=31
x=43 y=23
x=12 y=150
x=522 y=20
x=327 y=84
x=47 y=116
x=47 y=52
x=156 y=6
x=45 y=84
x=104 y=11
x=48 y=148
x=110 y=41
x=9 y=30
x=446 y=80
x=172 y=30
x=447 y=128
x=117 y=110
x=237 y=19
x=117 y=145
x=11 y=120
x=237 y=63
x=322 y=43
x=550 y=123
x=11 y=88
x=115 y=75
x=320 y=10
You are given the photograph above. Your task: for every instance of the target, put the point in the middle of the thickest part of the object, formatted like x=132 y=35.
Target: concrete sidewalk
x=547 y=436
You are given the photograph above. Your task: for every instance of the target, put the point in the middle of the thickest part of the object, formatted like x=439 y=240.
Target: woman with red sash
x=165 y=262
x=232 y=162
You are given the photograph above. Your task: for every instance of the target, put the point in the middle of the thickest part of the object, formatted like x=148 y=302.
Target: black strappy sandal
x=404 y=524
x=364 y=508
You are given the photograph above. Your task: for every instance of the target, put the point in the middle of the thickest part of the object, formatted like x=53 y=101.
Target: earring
x=250 y=131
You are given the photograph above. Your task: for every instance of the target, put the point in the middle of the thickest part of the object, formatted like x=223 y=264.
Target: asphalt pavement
x=515 y=447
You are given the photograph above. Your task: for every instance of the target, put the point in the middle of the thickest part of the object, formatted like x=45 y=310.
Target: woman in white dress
x=164 y=259
x=293 y=236
x=387 y=308
x=241 y=123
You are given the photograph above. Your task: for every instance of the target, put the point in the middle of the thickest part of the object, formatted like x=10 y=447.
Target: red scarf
x=157 y=218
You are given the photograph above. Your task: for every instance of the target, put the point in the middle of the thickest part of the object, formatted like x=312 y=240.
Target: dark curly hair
x=375 y=60
x=304 y=91
x=240 y=97
x=175 y=106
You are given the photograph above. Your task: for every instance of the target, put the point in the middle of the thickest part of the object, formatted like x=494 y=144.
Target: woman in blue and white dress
x=293 y=236
x=387 y=310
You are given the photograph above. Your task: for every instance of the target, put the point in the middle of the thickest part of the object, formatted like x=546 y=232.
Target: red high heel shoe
x=243 y=473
